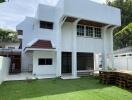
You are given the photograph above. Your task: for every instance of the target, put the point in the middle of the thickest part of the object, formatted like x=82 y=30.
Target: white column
x=104 y=31
x=58 y=55
x=74 y=52
x=96 y=61
x=108 y=46
x=111 y=47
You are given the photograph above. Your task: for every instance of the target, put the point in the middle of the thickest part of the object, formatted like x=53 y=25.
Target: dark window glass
x=98 y=33
x=80 y=30
x=46 y=25
x=45 y=61
x=49 y=61
x=20 y=32
x=89 y=31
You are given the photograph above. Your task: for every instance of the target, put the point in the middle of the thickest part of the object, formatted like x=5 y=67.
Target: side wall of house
x=87 y=45
x=32 y=31
x=4 y=68
x=84 y=44
x=44 y=69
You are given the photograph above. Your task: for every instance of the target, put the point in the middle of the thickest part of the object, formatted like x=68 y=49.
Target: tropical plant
x=7 y=36
x=123 y=34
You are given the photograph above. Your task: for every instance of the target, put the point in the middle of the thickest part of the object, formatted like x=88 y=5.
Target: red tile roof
x=46 y=44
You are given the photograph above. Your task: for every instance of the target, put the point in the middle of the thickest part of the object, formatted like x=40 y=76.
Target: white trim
x=32 y=42
x=38 y=49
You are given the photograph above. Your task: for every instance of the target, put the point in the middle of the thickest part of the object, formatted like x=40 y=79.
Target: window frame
x=86 y=26
x=20 y=32
x=85 y=32
x=100 y=33
x=46 y=25
x=45 y=61
x=80 y=34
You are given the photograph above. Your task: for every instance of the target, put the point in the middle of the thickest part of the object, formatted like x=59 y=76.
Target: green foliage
x=7 y=36
x=123 y=34
x=2 y=1
x=124 y=37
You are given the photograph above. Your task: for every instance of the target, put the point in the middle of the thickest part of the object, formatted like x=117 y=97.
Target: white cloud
x=14 y=11
x=99 y=1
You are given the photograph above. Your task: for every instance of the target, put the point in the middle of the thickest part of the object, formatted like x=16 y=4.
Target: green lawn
x=87 y=88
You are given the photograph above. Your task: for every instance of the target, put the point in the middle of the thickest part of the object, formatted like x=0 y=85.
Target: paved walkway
x=25 y=76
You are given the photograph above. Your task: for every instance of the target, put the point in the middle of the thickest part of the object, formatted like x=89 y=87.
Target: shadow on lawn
x=18 y=90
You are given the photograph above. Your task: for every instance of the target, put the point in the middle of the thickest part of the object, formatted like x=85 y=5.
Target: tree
x=7 y=36
x=2 y=1
x=123 y=38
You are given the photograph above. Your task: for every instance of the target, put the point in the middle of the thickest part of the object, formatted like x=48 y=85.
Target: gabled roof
x=42 y=44
x=39 y=45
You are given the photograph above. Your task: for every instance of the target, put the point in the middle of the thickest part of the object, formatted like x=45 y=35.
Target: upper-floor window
x=80 y=30
x=46 y=24
x=98 y=32
x=89 y=31
x=20 y=32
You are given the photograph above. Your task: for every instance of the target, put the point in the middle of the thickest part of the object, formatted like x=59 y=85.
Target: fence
x=123 y=62
x=4 y=67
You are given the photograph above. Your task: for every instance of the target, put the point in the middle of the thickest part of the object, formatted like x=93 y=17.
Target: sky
x=14 y=11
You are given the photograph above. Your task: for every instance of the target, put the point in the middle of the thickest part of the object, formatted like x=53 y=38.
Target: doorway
x=85 y=61
x=66 y=62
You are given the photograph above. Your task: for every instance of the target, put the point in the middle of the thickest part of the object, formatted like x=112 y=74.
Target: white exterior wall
x=4 y=68
x=84 y=44
x=62 y=38
x=123 y=62
x=44 y=69
x=67 y=38
x=89 y=10
x=32 y=31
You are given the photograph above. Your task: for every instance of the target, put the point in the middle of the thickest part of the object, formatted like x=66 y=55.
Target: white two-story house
x=68 y=37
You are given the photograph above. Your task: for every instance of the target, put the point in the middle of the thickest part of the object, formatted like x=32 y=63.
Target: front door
x=66 y=62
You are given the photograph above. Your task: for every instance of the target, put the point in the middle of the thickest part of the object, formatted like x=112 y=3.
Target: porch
x=85 y=64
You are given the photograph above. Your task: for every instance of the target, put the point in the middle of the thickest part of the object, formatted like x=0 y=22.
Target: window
x=97 y=33
x=89 y=31
x=43 y=61
x=46 y=25
x=129 y=54
x=123 y=55
x=20 y=32
x=11 y=47
x=116 y=56
x=80 y=30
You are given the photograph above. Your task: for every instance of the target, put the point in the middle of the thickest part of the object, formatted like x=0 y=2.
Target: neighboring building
x=68 y=38
x=14 y=46
x=123 y=59
x=13 y=51
x=126 y=50
x=11 y=46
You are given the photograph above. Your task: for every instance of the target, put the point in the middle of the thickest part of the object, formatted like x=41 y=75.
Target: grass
x=87 y=88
